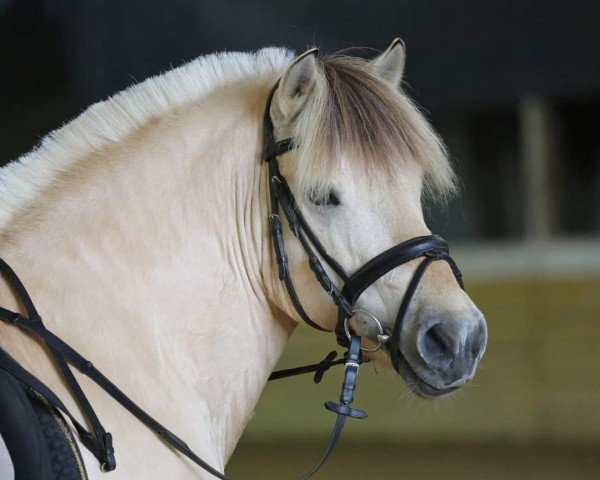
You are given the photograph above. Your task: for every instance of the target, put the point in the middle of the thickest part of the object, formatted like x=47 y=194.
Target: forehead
x=403 y=183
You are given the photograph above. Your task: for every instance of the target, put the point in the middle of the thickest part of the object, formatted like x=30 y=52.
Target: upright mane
x=351 y=110
x=112 y=120
x=354 y=114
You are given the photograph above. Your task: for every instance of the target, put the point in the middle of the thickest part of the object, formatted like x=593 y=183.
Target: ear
x=297 y=83
x=390 y=64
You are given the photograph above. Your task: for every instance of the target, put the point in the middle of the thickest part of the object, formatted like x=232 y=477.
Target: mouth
x=418 y=386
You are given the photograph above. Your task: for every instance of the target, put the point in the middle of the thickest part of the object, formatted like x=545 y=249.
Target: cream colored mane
x=112 y=120
x=319 y=130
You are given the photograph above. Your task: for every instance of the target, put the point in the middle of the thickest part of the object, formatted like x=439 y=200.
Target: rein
x=99 y=442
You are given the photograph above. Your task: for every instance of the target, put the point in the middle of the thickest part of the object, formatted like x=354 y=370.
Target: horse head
x=360 y=160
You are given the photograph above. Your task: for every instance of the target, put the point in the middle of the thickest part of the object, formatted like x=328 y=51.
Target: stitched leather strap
x=281 y=197
x=432 y=247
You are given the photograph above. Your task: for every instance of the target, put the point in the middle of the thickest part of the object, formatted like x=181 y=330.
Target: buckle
x=352 y=364
x=110 y=462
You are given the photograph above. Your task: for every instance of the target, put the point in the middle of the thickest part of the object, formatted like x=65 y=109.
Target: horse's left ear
x=297 y=83
x=389 y=65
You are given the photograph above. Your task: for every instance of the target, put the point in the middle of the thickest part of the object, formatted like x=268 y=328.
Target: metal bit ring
x=382 y=337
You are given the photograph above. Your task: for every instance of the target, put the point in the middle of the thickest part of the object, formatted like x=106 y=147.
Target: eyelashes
x=331 y=199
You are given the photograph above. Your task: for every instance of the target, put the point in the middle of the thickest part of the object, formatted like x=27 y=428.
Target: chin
x=418 y=385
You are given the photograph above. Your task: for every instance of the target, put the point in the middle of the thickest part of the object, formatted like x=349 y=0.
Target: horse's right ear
x=297 y=83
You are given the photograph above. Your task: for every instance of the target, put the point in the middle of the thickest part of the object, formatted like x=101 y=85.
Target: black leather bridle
x=430 y=247
x=99 y=441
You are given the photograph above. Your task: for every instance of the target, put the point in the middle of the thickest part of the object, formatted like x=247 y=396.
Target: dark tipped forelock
x=357 y=114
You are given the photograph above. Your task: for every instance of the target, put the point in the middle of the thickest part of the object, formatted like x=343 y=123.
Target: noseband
x=430 y=247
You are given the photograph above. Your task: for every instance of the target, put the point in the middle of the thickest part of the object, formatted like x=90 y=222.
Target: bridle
x=430 y=247
x=99 y=441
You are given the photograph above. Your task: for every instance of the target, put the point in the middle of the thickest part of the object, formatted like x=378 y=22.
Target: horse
x=141 y=229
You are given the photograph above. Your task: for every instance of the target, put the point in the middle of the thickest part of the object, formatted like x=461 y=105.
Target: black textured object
x=21 y=433
x=39 y=441
x=65 y=458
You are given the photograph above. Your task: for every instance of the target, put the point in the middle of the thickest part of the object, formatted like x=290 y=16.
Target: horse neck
x=158 y=246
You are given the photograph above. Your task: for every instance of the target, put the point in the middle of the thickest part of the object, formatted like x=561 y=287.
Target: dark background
x=470 y=64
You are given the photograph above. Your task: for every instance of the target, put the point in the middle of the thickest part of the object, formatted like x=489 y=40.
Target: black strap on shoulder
x=102 y=448
x=10 y=365
x=100 y=442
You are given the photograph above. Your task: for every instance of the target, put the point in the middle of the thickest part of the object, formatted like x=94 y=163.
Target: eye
x=330 y=199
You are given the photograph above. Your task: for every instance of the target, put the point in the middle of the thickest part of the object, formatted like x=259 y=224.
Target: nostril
x=438 y=348
x=450 y=350
x=477 y=341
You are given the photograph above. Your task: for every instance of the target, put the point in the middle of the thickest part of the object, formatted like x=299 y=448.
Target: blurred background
x=514 y=89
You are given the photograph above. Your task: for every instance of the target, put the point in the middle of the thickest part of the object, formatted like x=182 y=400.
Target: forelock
x=352 y=114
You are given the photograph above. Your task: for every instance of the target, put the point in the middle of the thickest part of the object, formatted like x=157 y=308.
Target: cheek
x=354 y=236
x=356 y=231
x=403 y=214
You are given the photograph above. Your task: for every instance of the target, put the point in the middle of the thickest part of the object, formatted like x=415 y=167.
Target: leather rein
x=99 y=442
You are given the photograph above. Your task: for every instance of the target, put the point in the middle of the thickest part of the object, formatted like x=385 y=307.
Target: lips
x=419 y=386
